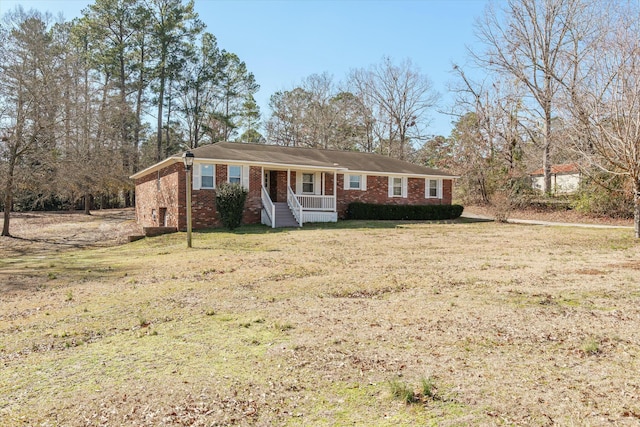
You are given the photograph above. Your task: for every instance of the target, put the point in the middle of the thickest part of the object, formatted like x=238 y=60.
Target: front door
x=267 y=180
x=271 y=184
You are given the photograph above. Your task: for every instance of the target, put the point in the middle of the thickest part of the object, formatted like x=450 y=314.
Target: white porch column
x=288 y=179
x=335 y=191
x=262 y=176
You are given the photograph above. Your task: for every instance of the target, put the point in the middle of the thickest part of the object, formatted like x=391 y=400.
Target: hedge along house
x=287 y=186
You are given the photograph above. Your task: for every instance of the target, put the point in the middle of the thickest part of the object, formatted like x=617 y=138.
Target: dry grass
x=514 y=325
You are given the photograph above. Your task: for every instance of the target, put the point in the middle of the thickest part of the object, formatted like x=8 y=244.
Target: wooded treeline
x=383 y=109
x=549 y=81
x=77 y=99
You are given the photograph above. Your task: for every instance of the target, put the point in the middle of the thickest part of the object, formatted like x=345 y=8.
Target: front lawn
x=505 y=324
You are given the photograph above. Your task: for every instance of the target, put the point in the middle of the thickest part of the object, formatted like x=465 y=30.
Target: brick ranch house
x=287 y=186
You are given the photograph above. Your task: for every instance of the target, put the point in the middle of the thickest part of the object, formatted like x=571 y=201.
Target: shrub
x=501 y=206
x=403 y=212
x=605 y=196
x=230 y=199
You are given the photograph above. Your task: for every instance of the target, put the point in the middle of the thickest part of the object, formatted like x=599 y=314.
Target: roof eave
x=270 y=164
x=407 y=174
x=172 y=160
x=160 y=165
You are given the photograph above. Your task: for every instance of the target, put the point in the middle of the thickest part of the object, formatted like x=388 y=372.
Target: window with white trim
x=235 y=174
x=396 y=186
x=308 y=183
x=355 y=182
x=206 y=176
x=433 y=189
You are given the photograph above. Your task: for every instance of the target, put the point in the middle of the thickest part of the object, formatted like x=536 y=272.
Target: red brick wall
x=328 y=184
x=447 y=191
x=281 y=178
x=378 y=192
x=204 y=214
x=281 y=184
x=171 y=194
x=253 y=205
x=160 y=190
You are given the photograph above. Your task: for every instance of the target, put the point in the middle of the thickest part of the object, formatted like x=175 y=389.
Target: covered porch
x=293 y=197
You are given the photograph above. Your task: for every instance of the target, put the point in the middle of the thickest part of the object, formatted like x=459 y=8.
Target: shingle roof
x=567 y=168
x=298 y=156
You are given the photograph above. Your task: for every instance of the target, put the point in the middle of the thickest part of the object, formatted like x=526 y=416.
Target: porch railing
x=269 y=208
x=317 y=203
x=294 y=205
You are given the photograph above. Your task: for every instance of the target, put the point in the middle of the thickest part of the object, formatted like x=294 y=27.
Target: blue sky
x=282 y=42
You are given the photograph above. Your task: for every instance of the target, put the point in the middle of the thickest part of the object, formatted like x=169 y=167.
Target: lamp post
x=187 y=157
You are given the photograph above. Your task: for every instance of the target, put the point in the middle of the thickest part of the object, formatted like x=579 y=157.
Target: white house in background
x=565 y=179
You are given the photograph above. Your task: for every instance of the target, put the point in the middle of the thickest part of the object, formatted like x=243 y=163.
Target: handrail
x=269 y=207
x=294 y=205
x=317 y=202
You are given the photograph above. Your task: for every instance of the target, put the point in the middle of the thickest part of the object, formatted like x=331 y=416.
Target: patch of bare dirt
x=38 y=232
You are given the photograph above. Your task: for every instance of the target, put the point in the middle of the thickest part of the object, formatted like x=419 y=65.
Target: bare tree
x=318 y=113
x=28 y=82
x=541 y=44
x=606 y=107
x=399 y=97
x=286 y=124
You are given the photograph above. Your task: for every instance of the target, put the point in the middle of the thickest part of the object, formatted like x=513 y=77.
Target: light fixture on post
x=187 y=158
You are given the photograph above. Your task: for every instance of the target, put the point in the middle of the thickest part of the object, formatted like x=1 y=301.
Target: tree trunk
x=546 y=153
x=636 y=208
x=160 y=105
x=87 y=204
x=140 y=91
x=8 y=187
x=546 y=166
x=7 y=214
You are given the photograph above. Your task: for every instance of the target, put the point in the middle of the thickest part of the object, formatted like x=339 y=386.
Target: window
x=433 y=189
x=307 y=183
x=235 y=174
x=397 y=186
x=206 y=176
x=355 y=182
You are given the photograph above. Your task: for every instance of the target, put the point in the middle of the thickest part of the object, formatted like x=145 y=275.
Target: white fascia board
x=160 y=165
x=283 y=166
x=408 y=175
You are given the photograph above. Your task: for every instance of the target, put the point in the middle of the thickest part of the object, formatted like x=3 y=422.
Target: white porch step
x=284 y=217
